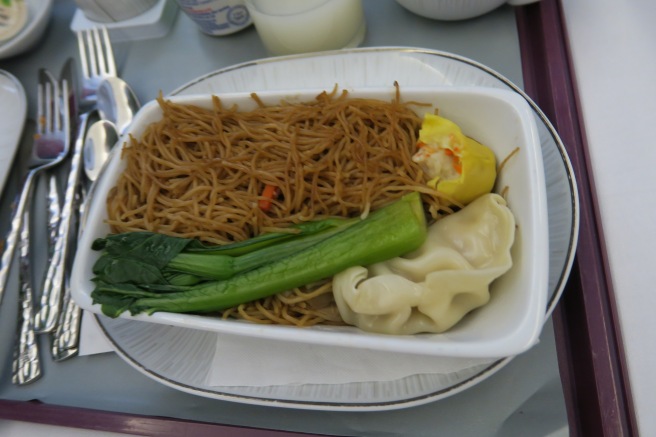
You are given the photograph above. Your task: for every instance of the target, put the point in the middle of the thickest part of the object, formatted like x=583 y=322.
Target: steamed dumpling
x=433 y=288
x=458 y=166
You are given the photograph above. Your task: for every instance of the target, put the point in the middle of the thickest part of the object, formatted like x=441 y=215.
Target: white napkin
x=92 y=339
x=245 y=361
x=251 y=362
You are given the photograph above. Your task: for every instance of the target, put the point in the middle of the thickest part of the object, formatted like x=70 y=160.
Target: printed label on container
x=217 y=17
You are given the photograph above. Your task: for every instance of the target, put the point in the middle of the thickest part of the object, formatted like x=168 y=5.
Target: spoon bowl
x=100 y=138
x=117 y=102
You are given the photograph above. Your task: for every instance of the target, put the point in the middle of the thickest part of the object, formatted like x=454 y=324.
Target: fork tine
x=65 y=107
x=81 y=45
x=44 y=113
x=56 y=107
x=93 y=63
x=53 y=123
x=47 y=116
x=110 y=63
x=40 y=109
x=100 y=52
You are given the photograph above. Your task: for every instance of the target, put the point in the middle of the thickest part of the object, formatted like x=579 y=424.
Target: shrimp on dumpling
x=460 y=167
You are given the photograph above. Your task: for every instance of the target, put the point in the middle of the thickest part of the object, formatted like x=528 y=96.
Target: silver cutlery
x=54 y=213
x=50 y=147
x=97 y=59
x=65 y=339
x=101 y=138
x=117 y=103
x=65 y=342
x=47 y=314
x=98 y=69
x=26 y=362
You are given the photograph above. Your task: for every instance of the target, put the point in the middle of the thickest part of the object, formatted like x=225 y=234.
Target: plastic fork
x=97 y=59
x=50 y=147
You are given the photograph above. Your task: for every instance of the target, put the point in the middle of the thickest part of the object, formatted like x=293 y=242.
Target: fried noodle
x=200 y=173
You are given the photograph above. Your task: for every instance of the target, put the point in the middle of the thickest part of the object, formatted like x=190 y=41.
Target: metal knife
x=65 y=342
x=26 y=366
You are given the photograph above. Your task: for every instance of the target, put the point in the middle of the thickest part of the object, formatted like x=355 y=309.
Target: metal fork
x=50 y=304
x=97 y=59
x=50 y=147
x=97 y=62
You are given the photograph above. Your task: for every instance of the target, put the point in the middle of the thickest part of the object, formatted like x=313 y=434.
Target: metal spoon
x=117 y=103
x=100 y=138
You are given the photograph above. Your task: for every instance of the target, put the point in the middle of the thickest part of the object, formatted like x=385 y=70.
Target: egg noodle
x=201 y=173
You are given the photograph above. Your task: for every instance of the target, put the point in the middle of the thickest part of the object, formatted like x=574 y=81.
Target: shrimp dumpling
x=434 y=287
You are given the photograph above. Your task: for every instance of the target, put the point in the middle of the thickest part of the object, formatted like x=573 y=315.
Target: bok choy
x=286 y=261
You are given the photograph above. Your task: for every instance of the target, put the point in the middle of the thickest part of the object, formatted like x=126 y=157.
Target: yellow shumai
x=459 y=167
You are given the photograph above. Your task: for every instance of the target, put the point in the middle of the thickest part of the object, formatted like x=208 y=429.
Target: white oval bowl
x=508 y=325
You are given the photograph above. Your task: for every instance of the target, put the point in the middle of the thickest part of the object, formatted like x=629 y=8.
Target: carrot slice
x=269 y=193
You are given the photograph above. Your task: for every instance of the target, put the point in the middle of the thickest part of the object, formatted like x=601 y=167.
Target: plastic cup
x=301 y=26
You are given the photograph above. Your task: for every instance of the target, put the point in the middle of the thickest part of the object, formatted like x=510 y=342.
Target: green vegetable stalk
x=150 y=258
x=388 y=232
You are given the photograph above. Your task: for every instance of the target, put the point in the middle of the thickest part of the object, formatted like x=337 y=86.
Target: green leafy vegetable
x=151 y=258
x=388 y=232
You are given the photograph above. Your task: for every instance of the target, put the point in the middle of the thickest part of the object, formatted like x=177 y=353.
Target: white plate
x=181 y=358
x=38 y=15
x=13 y=110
